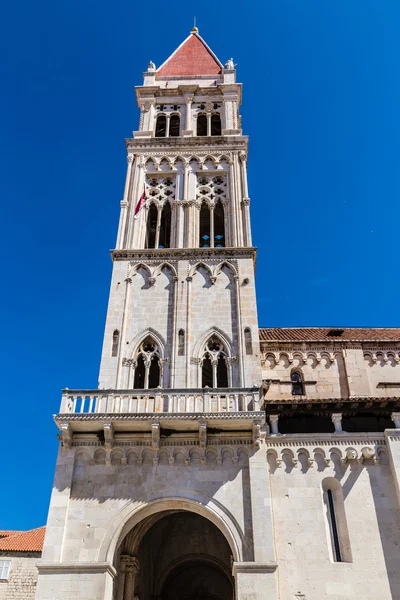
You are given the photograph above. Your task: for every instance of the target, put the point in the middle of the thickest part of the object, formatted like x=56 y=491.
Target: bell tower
x=171 y=446
x=182 y=309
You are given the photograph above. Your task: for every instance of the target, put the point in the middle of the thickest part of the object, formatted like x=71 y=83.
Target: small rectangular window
x=4 y=569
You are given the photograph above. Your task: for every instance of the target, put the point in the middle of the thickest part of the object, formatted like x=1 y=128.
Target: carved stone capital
x=132 y=564
x=246 y=201
x=129 y=362
x=195 y=361
x=129 y=159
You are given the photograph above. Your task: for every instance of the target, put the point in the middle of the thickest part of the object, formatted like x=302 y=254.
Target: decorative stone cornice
x=225 y=416
x=183 y=253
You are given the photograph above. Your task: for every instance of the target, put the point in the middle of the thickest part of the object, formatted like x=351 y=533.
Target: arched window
x=161 y=126
x=165 y=227
x=219 y=225
x=115 y=342
x=215 y=124
x=181 y=343
x=214 y=368
x=297 y=384
x=247 y=341
x=204 y=241
x=202 y=125
x=148 y=366
x=151 y=226
x=174 y=126
x=337 y=522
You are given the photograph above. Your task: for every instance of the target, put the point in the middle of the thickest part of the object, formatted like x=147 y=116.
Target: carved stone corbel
x=108 y=435
x=259 y=433
x=155 y=440
x=66 y=434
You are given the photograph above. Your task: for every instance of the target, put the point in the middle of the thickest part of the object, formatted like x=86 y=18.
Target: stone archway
x=174 y=555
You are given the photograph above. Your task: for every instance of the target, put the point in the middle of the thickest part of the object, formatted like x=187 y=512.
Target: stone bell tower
x=161 y=487
x=182 y=310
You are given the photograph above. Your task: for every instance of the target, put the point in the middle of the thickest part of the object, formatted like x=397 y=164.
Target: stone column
x=188 y=124
x=273 y=419
x=212 y=226
x=118 y=374
x=157 y=240
x=246 y=219
x=167 y=125
x=121 y=579
x=124 y=204
x=132 y=568
x=337 y=421
x=208 y=124
x=232 y=206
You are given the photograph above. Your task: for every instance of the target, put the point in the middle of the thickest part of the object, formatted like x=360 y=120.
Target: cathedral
x=218 y=459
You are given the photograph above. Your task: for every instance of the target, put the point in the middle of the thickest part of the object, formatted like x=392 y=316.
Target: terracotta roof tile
x=312 y=334
x=192 y=58
x=22 y=541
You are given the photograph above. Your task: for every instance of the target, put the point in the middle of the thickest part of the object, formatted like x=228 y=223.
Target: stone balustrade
x=159 y=401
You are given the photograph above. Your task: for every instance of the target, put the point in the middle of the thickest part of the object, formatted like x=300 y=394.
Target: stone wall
x=299 y=466
x=197 y=296
x=21 y=584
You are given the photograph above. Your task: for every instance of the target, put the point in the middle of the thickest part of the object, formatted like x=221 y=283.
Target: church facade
x=218 y=459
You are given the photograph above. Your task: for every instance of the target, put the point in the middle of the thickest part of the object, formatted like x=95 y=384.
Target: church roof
x=193 y=57
x=22 y=541
x=317 y=334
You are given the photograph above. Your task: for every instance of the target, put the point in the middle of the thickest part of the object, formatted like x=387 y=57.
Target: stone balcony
x=206 y=400
x=230 y=409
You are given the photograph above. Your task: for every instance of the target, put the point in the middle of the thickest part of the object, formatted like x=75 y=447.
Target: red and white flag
x=140 y=203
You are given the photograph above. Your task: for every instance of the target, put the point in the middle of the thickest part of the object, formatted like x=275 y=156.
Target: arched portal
x=174 y=555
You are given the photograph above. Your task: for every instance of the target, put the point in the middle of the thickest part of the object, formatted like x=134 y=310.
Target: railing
x=159 y=401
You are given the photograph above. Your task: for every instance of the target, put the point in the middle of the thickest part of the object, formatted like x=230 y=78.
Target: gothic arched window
x=148 y=365
x=219 y=225
x=215 y=124
x=174 y=126
x=297 y=383
x=202 y=125
x=214 y=368
x=115 y=342
x=151 y=226
x=204 y=241
x=164 y=240
x=161 y=126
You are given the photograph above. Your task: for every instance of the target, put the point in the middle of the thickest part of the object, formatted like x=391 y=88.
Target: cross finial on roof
x=194 y=28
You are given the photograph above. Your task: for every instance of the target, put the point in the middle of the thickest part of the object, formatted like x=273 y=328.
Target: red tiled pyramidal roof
x=310 y=334
x=22 y=541
x=193 y=57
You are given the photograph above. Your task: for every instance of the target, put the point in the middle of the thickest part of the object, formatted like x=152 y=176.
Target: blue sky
x=321 y=106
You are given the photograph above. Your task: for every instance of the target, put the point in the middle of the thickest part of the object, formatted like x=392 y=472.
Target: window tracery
x=161 y=191
x=211 y=192
x=214 y=364
x=147 y=365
